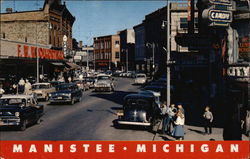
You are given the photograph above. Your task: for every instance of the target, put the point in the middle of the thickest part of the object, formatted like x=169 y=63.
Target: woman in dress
x=178 y=131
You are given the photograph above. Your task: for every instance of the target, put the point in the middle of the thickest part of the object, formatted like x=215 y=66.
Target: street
x=92 y=119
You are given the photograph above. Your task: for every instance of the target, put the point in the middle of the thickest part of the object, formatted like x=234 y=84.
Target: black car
x=69 y=92
x=19 y=111
x=139 y=110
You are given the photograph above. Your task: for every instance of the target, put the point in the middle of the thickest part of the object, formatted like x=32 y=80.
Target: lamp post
x=153 y=56
x=166 y=24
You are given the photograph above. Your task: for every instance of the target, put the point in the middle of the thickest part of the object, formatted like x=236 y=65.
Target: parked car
x=139 y=110
x=42 y=90
x=20 y=111
x=69 y=92
x=104 y=83
x=140 y=78
x=82 y=84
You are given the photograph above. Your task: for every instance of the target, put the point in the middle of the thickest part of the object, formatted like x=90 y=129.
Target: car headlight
x=17 y=114
x=50 y=95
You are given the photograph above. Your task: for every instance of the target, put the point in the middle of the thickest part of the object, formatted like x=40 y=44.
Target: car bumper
x=9 y=122
x=59 y=100
x=133 y=123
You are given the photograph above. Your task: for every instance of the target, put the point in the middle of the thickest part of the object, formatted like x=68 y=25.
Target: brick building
x=46 y=26
x=107 y=52
x=31 y=35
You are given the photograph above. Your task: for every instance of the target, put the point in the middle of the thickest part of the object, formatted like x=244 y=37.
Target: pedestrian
x=164 y=116
x=178 y=131
x=208 y=117
x=65 y=76
x=171 y=111
x=21 y=84
x=180 y=107
x=27 y=87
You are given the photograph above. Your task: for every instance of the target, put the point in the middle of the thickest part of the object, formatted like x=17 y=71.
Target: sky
x=96 y=18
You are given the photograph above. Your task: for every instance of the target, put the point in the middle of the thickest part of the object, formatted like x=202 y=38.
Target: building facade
x=107 y=52
x=46 y=26
x=32 y=41
x=127 y=49
x=85 y=57
x=140 y=58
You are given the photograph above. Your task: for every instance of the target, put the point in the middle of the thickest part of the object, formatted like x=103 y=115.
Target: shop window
x=183 y=23
x=117 y=55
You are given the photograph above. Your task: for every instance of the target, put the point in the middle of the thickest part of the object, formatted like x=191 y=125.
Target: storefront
x=21 y=59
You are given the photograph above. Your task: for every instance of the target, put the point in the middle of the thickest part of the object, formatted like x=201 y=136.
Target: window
x=117 y=55
x=26 y=39
x=183 y=23
x=117 y=42
x=3 y=35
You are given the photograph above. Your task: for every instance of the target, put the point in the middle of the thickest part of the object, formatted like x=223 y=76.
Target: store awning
x=57 y=63
x=73 y=65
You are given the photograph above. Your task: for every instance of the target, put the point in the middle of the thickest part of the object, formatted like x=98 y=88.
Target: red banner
x=43 y=53
x=124 y=149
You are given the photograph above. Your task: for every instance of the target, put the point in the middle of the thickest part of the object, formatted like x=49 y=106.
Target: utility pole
x=126 y=50
x=37 y=55
x=168 y=53
x=87 y=59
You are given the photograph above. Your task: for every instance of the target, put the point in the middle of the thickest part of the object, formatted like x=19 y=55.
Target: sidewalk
x=194 y=133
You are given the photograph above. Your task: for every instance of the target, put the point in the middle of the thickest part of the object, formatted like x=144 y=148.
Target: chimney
x=80 y=44
x=8 y=10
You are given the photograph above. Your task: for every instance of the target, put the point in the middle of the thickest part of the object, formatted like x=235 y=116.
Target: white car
x=104 y=83
x=140 y=78
x=42 y=90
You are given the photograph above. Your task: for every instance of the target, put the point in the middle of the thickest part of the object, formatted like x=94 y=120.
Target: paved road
x=92 y=119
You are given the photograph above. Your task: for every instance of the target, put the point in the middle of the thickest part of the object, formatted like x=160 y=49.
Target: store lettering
x=221 y=16
x=238 y=71
x=43 y=53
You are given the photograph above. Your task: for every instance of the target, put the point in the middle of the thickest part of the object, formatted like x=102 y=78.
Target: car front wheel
x=23 y=125
x=72 y=101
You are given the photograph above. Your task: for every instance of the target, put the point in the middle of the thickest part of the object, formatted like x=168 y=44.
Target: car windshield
x=40 y=86
x=64 y=87
x=103 y=78
x=13 y=102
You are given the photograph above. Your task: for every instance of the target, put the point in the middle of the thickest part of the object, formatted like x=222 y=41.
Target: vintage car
x=42 y=90
x=140 y=110
x=19 y=111
x=69 y=92
x=140 y=78
x=82 y=84
x=104 y=83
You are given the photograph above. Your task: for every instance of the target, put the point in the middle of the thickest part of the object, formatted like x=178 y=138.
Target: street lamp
x=166 y=25
x=153 y=51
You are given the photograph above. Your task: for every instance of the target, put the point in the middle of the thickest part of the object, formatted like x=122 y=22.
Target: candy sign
x=221 y=16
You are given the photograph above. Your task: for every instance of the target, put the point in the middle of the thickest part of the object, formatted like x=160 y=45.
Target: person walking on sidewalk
x=171 y=111
x=208 y=117
x=178 y=131
x=164 y=114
